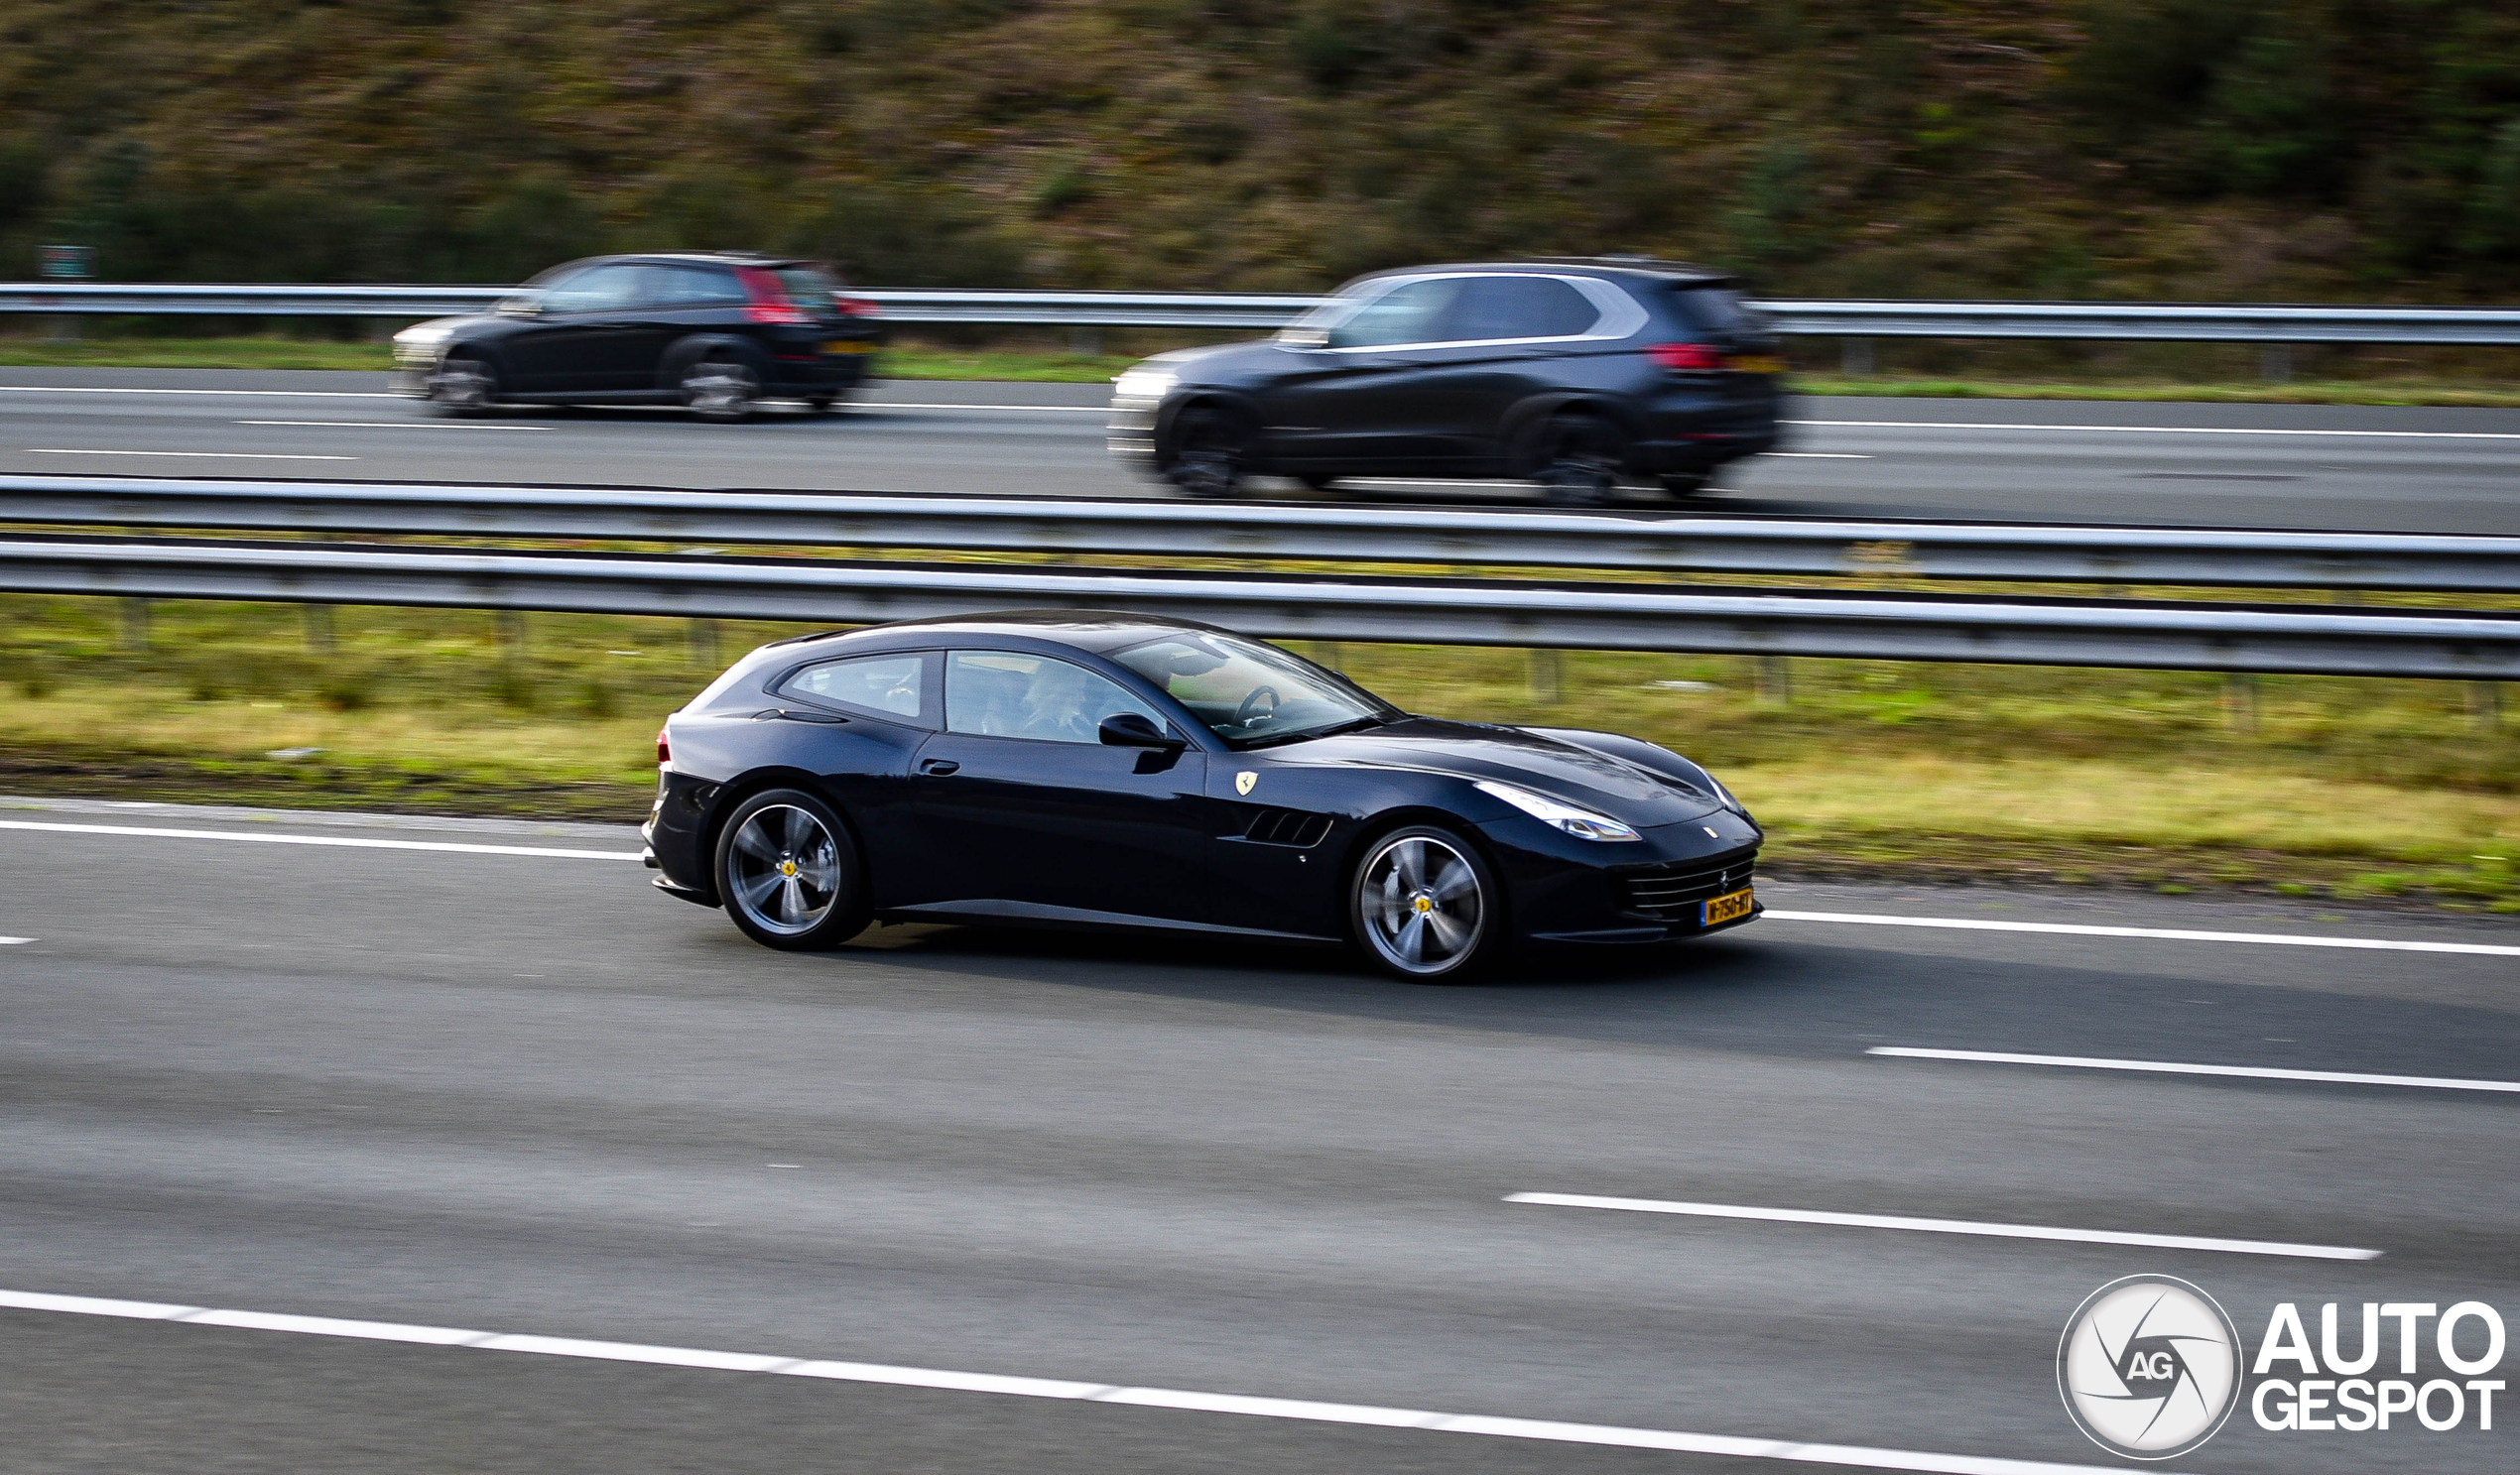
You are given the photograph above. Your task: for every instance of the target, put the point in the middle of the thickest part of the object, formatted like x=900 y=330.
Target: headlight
x=1143 y=384
x=1580 y=823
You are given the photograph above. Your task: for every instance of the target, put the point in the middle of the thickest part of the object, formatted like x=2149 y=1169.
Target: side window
x=1009 y=693
x=677 y=286
x=1521 y=308
x=1408 y=313
x=603 y=288
x=891 y=685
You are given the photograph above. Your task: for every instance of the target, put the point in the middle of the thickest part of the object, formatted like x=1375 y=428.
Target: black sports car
x=1080 y=769
x=718 y=331
x=1577 y=374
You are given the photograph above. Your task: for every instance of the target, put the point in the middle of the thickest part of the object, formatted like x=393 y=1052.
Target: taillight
x=782 y=312
x=1685 y=358
x=664 y=750
x=770 y=302
x=858 y=307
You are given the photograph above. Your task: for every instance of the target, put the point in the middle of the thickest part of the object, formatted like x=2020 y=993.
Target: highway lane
x=2400 y=469
x=524 y=1093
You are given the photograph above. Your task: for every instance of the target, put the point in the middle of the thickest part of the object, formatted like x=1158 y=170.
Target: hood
x=1545 y=765
x=438 y=330
x=1221 y=362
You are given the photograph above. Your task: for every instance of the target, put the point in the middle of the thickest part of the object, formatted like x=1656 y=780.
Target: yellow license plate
x=1730 y=908
x=1759 y=363
x=847 y=345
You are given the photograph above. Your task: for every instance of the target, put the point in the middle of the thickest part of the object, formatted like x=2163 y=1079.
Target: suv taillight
x=1685 y=358
x=770 y=302
x=664 y=750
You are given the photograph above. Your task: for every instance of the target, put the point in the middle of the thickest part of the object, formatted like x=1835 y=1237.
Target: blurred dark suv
x=1577 y=374
x=718 y=331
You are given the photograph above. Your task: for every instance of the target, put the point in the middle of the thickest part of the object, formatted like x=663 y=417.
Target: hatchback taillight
x=1685 y=358
x=664 y=750
x=858 y=307
x=770 y=302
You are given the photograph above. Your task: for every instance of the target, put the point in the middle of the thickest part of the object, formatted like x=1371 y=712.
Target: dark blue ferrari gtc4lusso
x=1081 y=769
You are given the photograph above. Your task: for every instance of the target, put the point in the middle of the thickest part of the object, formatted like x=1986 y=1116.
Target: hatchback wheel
x=788 y=872
x=722 y=389
x=1210 y=449
x=463 y=387
x=1580 y=464
x=1425 y=907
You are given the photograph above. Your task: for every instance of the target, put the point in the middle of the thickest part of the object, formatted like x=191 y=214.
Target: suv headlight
x=1143 y=384
x=1582 y=823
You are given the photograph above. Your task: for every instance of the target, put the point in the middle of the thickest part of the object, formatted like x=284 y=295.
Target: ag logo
x=2149 y=1367
x=1244 y=779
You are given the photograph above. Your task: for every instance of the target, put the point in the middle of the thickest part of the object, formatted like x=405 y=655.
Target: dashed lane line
x=2180 y=1067
x=2164 y=935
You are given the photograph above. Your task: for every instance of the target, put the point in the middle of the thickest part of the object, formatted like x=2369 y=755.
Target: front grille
x=1287 y=827
x=1672 y=892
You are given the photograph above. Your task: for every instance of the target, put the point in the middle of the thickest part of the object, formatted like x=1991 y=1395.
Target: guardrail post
x=319 y=622
x=2275 y=363
x=512 y=633
x=2485 y=703
x=2239 y=700
x=1776 y=681
x=1548 y=675
x=135 y=626
x=704 y=637
x=1854 y=356
x=1327 y=654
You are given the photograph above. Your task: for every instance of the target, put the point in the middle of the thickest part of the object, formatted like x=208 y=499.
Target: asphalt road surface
x=521 y=1093
x=2393 y=469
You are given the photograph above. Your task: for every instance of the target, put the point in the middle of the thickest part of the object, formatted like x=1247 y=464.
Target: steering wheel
x=1250 y=713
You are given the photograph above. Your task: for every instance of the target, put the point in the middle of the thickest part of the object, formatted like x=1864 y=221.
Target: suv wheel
x=464 y=386
x=1579 y=463
x=722 y=389
x=1211 y=448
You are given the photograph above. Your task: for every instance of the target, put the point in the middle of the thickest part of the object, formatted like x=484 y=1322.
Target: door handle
x=939 y=766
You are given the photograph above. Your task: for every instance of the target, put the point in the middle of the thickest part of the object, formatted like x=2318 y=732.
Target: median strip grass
x=2370 y=789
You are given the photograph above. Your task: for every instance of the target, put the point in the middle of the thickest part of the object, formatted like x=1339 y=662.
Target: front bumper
x=1649 y=890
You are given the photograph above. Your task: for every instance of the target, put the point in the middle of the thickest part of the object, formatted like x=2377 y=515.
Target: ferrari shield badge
x=1244 y=779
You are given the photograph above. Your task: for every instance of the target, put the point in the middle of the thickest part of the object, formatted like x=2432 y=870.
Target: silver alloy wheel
x=784 y=870
x=463 y=385
x=720 y=389
x=1420 y=901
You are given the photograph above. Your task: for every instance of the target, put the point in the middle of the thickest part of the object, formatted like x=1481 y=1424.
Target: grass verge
x=2356 y=790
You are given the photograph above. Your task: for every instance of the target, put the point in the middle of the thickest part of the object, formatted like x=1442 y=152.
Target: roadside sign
x=66 y=262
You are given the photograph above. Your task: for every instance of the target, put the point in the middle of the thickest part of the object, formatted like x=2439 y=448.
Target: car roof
x=705 y=258
x=1593 y=265
x=1094 y=630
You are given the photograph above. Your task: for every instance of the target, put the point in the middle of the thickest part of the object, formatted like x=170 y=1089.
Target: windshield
x=1248 y=692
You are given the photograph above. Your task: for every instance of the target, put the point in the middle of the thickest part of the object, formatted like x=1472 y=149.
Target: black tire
x=1580 y=457
x=788 y=872
x=1212 y=450
x=1407 y=886
x=1317 y=481
x=464 y=386
x=725 y=389
x=820 y=403
x=1685 y=483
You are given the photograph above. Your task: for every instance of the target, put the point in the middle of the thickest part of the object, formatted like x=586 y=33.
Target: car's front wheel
x=789 y=873
x=1426 y=905
x=1211 y=449
x=464 y=386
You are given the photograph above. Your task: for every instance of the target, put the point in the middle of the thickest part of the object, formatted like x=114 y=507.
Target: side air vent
x=1286 y=827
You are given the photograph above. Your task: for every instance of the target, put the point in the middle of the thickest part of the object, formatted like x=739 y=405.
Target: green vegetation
x=2144 y=149
x=2353 y=788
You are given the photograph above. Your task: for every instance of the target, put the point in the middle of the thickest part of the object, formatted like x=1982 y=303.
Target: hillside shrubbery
x=2214 y=148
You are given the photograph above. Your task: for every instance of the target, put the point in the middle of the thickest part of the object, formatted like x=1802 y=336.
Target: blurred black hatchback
x=719 y=332
x=1577 y=374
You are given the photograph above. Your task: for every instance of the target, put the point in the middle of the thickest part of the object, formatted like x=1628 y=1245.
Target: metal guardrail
x=2264 y=323
x=1651 y=541
x=2192 y=636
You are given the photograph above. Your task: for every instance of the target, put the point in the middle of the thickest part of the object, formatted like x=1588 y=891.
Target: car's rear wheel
x=1317 y=481
x=789 y=874
x=1210 y=449
x=1579 y=460
x=464 y=386
x=1685 y=483
x=1426 y=905
x=725 y=389
x=820 y=403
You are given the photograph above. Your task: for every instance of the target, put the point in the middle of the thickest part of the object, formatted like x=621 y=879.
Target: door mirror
x=1133 y=730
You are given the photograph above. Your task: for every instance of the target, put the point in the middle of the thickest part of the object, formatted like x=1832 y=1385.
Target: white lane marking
x=399 y=424
x=1969 y=424
x=1946 y=1226
x=917 y=404
x=14 y=942
x=2166 y=934
x=222 y=455
x=268 y=394
x=1299 y=1409
x=353 y=842
x=1816 y=455
x=2178 y=1068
